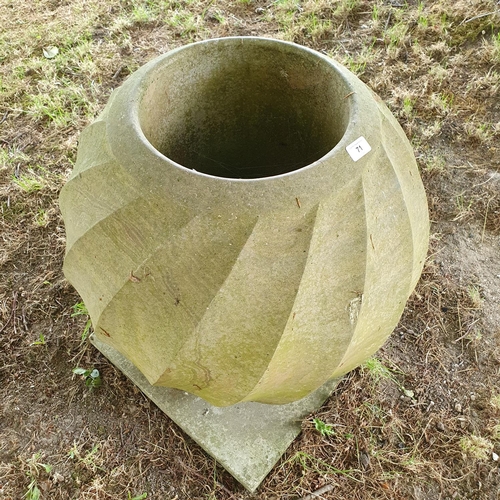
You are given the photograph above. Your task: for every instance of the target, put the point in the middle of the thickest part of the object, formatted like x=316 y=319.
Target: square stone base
x=247 y=439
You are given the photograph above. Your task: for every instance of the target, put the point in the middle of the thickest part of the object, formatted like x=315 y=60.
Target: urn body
x=245 y=221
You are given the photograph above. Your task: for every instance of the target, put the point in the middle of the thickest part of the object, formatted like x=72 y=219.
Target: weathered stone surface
x=247 y=439
x=226 y=234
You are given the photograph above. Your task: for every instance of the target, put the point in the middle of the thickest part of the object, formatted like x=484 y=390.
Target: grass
x=12 y=156
x=40 y=341
x=463 y=206
x=142 y=496
x=323 y=428
x=435 y=163
x=475 y=296
x=376 y=370
x=495 y=401
x=80 y=309
x=42 y=218
x=184 y=22
x=357 y=62
x=495 y=49
x=476 y=447
x=29 y=183
x=309 y=463
x=34 y=472
x=92 y=459
x=495 y=432
x=391 y=430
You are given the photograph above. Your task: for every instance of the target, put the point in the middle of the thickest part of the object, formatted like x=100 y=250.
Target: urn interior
x=244 y=110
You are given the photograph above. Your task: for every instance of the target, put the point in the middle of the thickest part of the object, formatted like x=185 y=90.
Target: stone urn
x=245 y=221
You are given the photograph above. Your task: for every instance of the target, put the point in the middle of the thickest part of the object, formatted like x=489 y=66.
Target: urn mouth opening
x=244 y=108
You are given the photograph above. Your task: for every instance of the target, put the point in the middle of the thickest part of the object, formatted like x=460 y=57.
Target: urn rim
x=154 y=172
x=353 y=89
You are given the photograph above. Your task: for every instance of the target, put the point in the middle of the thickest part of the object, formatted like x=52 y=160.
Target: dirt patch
x=420 y=421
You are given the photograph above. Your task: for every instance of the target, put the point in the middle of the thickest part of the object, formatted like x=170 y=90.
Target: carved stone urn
x=245 y=221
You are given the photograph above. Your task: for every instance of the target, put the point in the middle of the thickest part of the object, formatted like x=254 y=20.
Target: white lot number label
x=358 y=148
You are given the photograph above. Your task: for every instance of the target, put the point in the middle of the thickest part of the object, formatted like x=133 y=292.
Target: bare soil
x=423 y=423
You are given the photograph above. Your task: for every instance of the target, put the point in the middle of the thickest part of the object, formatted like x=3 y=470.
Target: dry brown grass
x=425 y=427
